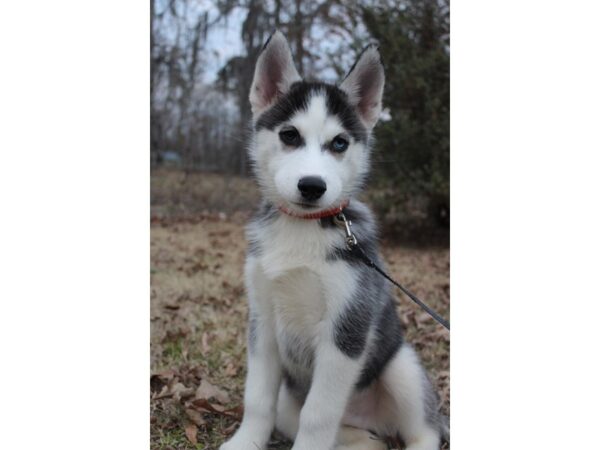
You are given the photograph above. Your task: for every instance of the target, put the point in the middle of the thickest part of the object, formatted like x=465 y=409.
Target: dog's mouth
x=313 y=211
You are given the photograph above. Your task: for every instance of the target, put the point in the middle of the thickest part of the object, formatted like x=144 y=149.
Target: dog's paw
x=241 y=443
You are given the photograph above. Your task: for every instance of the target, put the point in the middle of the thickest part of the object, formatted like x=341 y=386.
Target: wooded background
x=202 y=62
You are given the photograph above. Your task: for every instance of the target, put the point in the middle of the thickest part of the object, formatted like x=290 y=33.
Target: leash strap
x=352 y=244
x=369 y=262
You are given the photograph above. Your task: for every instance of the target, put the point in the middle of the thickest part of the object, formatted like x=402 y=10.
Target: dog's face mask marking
x=310 y=148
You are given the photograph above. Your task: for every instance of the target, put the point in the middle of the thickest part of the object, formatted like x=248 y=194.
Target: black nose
x=312 y=188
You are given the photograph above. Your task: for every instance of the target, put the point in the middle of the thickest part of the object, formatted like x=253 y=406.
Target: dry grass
x=198 y=313
x=177 y=193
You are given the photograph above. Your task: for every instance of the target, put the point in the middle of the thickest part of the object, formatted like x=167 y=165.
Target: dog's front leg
x=264 y=371
x=260 y=397
x=334 y=379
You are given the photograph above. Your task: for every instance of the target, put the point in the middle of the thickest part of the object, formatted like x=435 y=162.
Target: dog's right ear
x=274 y=74
x=364 y=85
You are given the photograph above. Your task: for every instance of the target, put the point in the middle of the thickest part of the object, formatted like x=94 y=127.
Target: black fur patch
x=337 y=105
x=297 y=99
x=388 y=339
x=352 y=327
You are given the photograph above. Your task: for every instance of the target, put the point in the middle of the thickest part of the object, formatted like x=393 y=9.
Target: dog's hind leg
x=287 y=421
x=414 y=414
x=350 y=438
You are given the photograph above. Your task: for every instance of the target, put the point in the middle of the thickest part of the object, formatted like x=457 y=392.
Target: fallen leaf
x=205 y=344
x=191 y=432
x=204 y=406
x=166 y=374
x=217 y=407
x=164 y=393
x=231 y=370
x=160 y=379
x=180 y=391
x=236 y=411
x=177 y=391
x=229 y=430
x=208 y=391
x=195 y=416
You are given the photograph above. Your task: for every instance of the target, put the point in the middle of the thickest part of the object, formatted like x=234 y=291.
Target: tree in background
x=412 y=152
x=188 y=116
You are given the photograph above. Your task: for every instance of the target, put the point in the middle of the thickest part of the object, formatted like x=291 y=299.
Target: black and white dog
x=327 y=365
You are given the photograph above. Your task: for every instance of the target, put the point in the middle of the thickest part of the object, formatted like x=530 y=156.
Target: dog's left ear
x=274 y=74
x=364 y=85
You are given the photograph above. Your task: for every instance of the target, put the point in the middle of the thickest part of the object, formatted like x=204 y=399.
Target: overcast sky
x=224 y=41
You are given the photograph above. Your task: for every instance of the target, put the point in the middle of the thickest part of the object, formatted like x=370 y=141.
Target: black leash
x=352 y=244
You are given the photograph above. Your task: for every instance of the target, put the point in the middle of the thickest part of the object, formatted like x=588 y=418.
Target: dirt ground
x=198 y=313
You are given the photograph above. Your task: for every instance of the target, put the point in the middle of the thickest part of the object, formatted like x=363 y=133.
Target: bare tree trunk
x=277 y=13
x=299 y=35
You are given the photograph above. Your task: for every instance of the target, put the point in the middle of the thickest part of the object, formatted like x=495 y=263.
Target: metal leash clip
x=341 y=221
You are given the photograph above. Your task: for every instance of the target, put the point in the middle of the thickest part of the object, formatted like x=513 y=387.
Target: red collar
x=317 y=215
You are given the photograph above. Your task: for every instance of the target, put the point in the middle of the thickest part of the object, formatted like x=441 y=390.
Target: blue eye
x=339 y=144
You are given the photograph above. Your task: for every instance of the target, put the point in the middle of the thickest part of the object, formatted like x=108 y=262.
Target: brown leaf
x=191 y=432
x=177 y=391
x=231 y=370
x=236 y=411
x=217 y=407
x=160 y=379
x=164 y=393
x=229 y=430
x=203 y=405
x=195 y=417
x=205 y=344
x=208 y=391
x=180 y=391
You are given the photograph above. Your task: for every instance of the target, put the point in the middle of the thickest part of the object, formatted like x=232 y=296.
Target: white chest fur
x=289 y=243
x=300 y=282
x=299 y=306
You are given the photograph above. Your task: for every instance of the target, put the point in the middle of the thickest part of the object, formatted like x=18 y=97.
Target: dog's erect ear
x=274 y=74
x=364 y=85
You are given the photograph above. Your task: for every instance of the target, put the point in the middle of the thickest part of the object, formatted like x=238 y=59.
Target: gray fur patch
x=433 y=414
x=298 y=388
x=252 y=331
x=266 y=212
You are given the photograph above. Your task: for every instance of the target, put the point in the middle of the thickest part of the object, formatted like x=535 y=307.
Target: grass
x=198 y=310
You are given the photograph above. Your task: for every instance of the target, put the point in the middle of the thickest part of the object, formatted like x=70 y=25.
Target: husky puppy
x=327 y=364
